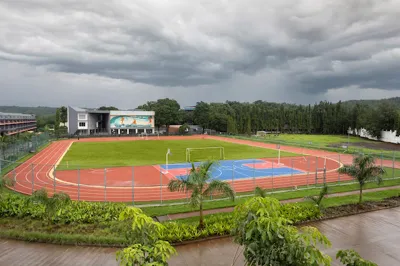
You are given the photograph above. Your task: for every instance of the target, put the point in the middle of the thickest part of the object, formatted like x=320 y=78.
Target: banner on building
x=134 y=121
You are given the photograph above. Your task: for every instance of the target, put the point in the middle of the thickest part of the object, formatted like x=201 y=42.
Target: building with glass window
x=92 y=121
x=11 y=123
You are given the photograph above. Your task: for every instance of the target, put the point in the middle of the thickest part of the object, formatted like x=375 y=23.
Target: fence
x=15 y=149
x=148 y=185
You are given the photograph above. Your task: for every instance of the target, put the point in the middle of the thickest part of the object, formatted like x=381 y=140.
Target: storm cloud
x=81 y=52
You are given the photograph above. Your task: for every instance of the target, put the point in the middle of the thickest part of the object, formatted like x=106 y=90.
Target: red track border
x=37 y=173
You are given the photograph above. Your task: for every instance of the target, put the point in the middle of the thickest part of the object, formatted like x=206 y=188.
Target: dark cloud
x=205 y=49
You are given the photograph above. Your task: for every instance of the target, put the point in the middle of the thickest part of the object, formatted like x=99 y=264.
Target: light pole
x=166 y=160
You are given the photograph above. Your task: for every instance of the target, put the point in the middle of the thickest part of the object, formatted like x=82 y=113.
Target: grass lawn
x=317 y=139
x=128 y=153
x=328 y=142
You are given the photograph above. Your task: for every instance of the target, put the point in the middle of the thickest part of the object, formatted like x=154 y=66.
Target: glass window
x=82 y=124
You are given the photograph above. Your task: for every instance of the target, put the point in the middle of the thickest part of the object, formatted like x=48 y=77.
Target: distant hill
x=38 y=111
x=395 y=101
x=48 y=111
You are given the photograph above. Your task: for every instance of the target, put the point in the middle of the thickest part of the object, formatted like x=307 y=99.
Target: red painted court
x=149 y=183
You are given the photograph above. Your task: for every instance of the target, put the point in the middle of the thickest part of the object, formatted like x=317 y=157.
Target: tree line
x=247 y=118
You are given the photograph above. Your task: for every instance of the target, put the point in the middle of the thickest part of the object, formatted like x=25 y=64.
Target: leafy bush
x=350 y=257
x=89 y=212
x=12 y=205
x=222 y=223
x=268 y=238
x=300 y=212
x=144 y=235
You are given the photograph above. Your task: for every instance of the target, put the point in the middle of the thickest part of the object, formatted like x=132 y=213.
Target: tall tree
x=63 y=114
x=167 y=112
x=57 y=123
x=201 y=115
x=248 y=126
x=231 y=126
x=108 y=108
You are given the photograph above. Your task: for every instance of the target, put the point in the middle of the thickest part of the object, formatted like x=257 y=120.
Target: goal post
x=204 y=153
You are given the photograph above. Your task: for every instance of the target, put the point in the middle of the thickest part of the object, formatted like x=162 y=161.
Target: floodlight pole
x=279 y=157
x=166 y=160
x=279 y=153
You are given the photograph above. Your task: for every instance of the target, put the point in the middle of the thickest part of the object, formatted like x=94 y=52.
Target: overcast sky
x=126 y=52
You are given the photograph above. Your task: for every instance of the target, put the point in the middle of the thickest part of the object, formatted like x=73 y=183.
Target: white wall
x=386 y=136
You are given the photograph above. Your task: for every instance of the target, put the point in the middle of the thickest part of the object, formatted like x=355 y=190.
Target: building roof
x=78 y=109
x=189 y=108
x=15 y=114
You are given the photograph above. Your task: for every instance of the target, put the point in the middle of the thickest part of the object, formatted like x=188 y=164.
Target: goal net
x=204 y=154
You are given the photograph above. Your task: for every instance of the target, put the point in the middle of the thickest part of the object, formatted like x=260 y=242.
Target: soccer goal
x=143 y=135
x=203 y=154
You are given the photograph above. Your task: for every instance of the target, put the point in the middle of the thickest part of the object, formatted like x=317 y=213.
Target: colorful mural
x=135 y=121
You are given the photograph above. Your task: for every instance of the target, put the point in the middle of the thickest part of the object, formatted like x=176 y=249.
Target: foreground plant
x=201 y=185
x=350 y=257
x=318 y=199
x=5 y=182
x=146 y=247
x=270 y=239
x=51 y=204
x=363 y=170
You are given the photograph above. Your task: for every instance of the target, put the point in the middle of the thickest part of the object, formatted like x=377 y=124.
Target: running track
x=37 y=173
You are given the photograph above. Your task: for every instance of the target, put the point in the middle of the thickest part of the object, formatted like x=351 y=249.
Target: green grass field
x=128 y=153
x=333 y=143
x=318 y=139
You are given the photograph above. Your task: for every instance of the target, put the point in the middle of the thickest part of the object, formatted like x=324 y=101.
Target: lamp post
x=166 y=159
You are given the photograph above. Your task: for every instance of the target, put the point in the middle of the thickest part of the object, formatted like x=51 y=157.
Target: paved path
x=374 y=235
x=19 y=253
x=230 y=209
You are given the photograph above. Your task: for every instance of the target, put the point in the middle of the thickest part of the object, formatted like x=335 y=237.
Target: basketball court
x=234 y=169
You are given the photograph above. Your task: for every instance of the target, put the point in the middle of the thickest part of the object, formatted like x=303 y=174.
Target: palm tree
x=259 y=192
x=318 y=199
x=363 y=170
x=201 y=185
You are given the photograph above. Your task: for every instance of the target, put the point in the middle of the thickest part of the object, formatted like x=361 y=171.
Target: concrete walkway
x=230 y=209
x=374 y=235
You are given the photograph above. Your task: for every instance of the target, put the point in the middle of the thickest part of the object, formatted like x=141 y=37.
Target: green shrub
x=89 y=212
x=222 y=223
x=300 y=212
x=12 y=205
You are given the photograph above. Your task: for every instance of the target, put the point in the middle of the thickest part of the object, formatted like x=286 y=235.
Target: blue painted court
x=237 y=169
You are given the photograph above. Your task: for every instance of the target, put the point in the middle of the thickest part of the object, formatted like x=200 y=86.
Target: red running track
x=149 y=183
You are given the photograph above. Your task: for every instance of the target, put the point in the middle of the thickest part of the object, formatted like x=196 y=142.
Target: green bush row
x=12 y=205
x=222 y=223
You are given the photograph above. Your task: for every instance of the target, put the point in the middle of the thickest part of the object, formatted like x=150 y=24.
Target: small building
x=12 y=123
x=83 y=121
